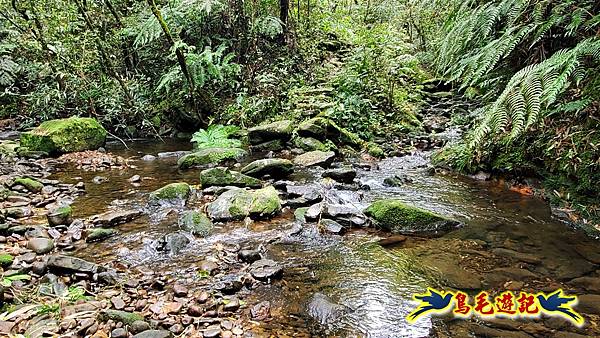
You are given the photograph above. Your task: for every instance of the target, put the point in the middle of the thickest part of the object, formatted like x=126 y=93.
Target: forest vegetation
x=159 y=67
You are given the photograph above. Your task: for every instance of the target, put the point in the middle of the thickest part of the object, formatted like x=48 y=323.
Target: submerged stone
x=324 y=310
x=197 y=223
x=65 y=135
x=237 y=204
x=276 y=167
x=172 y=192
x=223 y=177
x=397 y=217
x=209 y=156
x=99 y=234
x=344 y=175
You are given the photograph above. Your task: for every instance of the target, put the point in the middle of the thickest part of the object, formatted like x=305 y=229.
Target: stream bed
x=350 y=285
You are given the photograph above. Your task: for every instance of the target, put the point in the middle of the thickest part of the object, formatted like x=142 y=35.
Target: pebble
x=135 y=179
x=232 y=305
x=212 y=331
x=176 y=328
x=195 y=311
x=117 y=303
x=139 y=326
x=180 y=290
x=40 y=245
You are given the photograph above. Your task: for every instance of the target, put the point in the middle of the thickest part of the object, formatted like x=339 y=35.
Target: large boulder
x=311 y=143
x=65 y=136
x=323 y=128
x=313 y=158
x=236 y=204
x=209 y=156
x=279 y=130
x=276 y=167
x=222 y=177
x=397 y=217
x=172 y=192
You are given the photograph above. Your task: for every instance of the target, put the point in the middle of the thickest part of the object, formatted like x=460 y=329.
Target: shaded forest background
x=149 y=68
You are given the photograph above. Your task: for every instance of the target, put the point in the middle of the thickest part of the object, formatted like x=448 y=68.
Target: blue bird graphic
x=431 y=301
x=558 y=304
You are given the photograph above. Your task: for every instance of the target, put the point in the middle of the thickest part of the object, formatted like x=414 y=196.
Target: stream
x=509 y=241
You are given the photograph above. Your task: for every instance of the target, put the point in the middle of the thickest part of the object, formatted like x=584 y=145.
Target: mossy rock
x=172 y=192
x=323 y=128
x=8 y=149
x=5 y=259
x=311 y=144
x=65 y=136
x=223 y=177
x=278 y=130
x=30 y=184
x=62 y=215
x=399 y=218
x=124 y=317
x=300 y=215
x=276 y=167
x=236 y=204
x=274 y=145
x=208 y=156
x=375 y=150
x=99 y=234
x=197 y=223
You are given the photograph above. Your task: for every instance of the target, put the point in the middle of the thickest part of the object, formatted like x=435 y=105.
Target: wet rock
x=40 y=245
x=109 y=277
x=208 y=266
x=5 y=259
x=124 y=317
x=139 y=326
x=114 y=218
x=589 y=304
x=64 y=136
x=237 y=204
x=154 y=334
x=249 y=256
x=315 y=158
x=196 y=223
x=344 y=174
x=275 y=145
x=212 y=331
x=99 y=234
x=232 y=304
x=573 y=269
x=589 y=252
x=481 y=176
x=212 y=156
x=275 y=167
x=301 y=195
x=180 y=290
x=266 y=269
x=222 y=176
x=135 y=179
x=261 y=311
x=60 y=216
x=118 y=333
x=63 y=263
x=30 y=184
x=229 y=284
x=300 y=215
x=176 y=329
x=500 y=275
x=176 y=154
x=392 y=240
x=324 y=310
x=397 y=181
x=331 y=226
x=148 y=158
x=117 y=303
x=18 y=212
x=527 y=258
x=399 y=218
x=99 y=179
x=312 y=144
x=323 y=128
x=591 y=284
x=171 y=192
x=279 y=130
x=176 y=242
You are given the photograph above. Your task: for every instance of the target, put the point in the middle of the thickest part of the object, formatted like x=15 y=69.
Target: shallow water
x=375 y=283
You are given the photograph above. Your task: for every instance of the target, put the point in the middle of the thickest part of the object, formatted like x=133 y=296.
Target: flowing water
x=372 y=284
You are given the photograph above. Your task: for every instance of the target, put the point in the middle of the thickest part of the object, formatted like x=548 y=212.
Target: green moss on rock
x=276 y=167
x=173 y=191
x=124 y=317
x=397 y=217
x=208 y=156
x=197 y=223
x=323 y=128
x=222 y=177
x=236 y=204
x=311 y=144
x=31 y=184
x=280 y=130
x=99 y=234
x=62 y=215
x=5 y=259
x=375 y=150
x=65 y=136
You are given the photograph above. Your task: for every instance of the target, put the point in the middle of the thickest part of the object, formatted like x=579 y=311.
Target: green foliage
x=216 y=136
x=8 y=280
